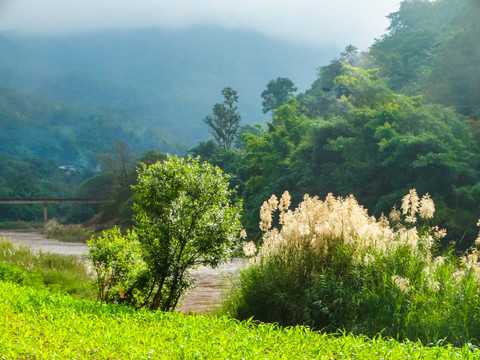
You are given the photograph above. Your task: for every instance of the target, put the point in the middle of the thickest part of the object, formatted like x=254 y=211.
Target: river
x=204 y=298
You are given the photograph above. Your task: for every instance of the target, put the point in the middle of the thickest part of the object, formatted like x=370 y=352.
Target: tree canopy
x=277 y=93
x=185 y=218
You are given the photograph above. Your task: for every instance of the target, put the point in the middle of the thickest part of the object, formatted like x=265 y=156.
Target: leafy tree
x=152 y=157
x=225 y=120
x=254 y=129
x=320 y=100
x=277 y=93
x=455 y=77
x=120 y=163
x=205 y=149
x=114 y=184
x=326 y=74
x=185 y=218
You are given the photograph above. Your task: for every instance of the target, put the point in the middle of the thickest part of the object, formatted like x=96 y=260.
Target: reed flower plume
x=249 y=249
x=427 y=207
x=284 y=201
x=318 y=226
x=266 y=211
x=403 y=284
x=410 y=205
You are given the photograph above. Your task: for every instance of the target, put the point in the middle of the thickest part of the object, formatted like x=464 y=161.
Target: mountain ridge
x=169 y=79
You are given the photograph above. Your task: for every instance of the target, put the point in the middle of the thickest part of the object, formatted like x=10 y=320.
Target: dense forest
x=402 y=115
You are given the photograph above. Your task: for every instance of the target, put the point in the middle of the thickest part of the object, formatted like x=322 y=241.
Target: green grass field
x=38 y=324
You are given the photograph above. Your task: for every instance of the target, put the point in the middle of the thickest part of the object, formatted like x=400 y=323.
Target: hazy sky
x=315 y=22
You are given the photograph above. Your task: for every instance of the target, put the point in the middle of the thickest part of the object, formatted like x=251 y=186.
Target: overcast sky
x=314 y=22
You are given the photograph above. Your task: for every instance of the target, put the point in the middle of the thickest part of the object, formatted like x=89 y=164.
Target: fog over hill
x=167 y=80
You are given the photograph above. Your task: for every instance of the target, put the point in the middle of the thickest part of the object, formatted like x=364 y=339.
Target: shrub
x=117 y=262
x=331 y=266
x=18 y=275
x=52 y=229
x=185 y=218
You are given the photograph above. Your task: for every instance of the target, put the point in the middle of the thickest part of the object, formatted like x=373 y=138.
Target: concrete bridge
x=47 y=201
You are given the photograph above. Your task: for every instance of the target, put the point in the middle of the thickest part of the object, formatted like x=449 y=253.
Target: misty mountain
x=34 y=126
x=167 y=80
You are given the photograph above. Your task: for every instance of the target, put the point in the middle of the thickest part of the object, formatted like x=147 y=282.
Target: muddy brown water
x=209 y=283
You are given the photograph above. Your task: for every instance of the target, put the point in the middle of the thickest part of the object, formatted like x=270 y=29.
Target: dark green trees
x=370 y=142
x=431 y=49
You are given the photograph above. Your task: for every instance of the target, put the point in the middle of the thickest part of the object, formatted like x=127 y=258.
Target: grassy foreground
x=38 y=324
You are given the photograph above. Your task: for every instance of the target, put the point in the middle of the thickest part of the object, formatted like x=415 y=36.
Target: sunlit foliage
x=329 y=265
x=185 y=217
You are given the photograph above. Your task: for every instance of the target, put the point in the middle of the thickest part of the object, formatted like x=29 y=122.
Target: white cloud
x=308 y=21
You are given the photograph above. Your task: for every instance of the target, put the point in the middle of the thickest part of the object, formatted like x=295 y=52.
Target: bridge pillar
x=45 y=217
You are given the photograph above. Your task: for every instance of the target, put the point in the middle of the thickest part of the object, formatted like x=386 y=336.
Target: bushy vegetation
x=360 y=137
x=403 y=114
x=331 y=266
x=37 y=324
x=71 y=233
x=429 y=49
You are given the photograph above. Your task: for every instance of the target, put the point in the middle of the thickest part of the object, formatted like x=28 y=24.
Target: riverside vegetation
x=186 y=216
x=372 y=287
x=403 y=115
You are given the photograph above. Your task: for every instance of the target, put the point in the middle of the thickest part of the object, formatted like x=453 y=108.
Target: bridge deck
x=45 y=202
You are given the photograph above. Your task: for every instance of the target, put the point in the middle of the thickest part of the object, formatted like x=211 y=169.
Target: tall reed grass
x=331 y=266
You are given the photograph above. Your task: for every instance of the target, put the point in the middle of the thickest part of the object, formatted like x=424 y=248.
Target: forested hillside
x=72 y=100
x=47 y=148
x=380 y=123
x=34 y=126
x=431 y=48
